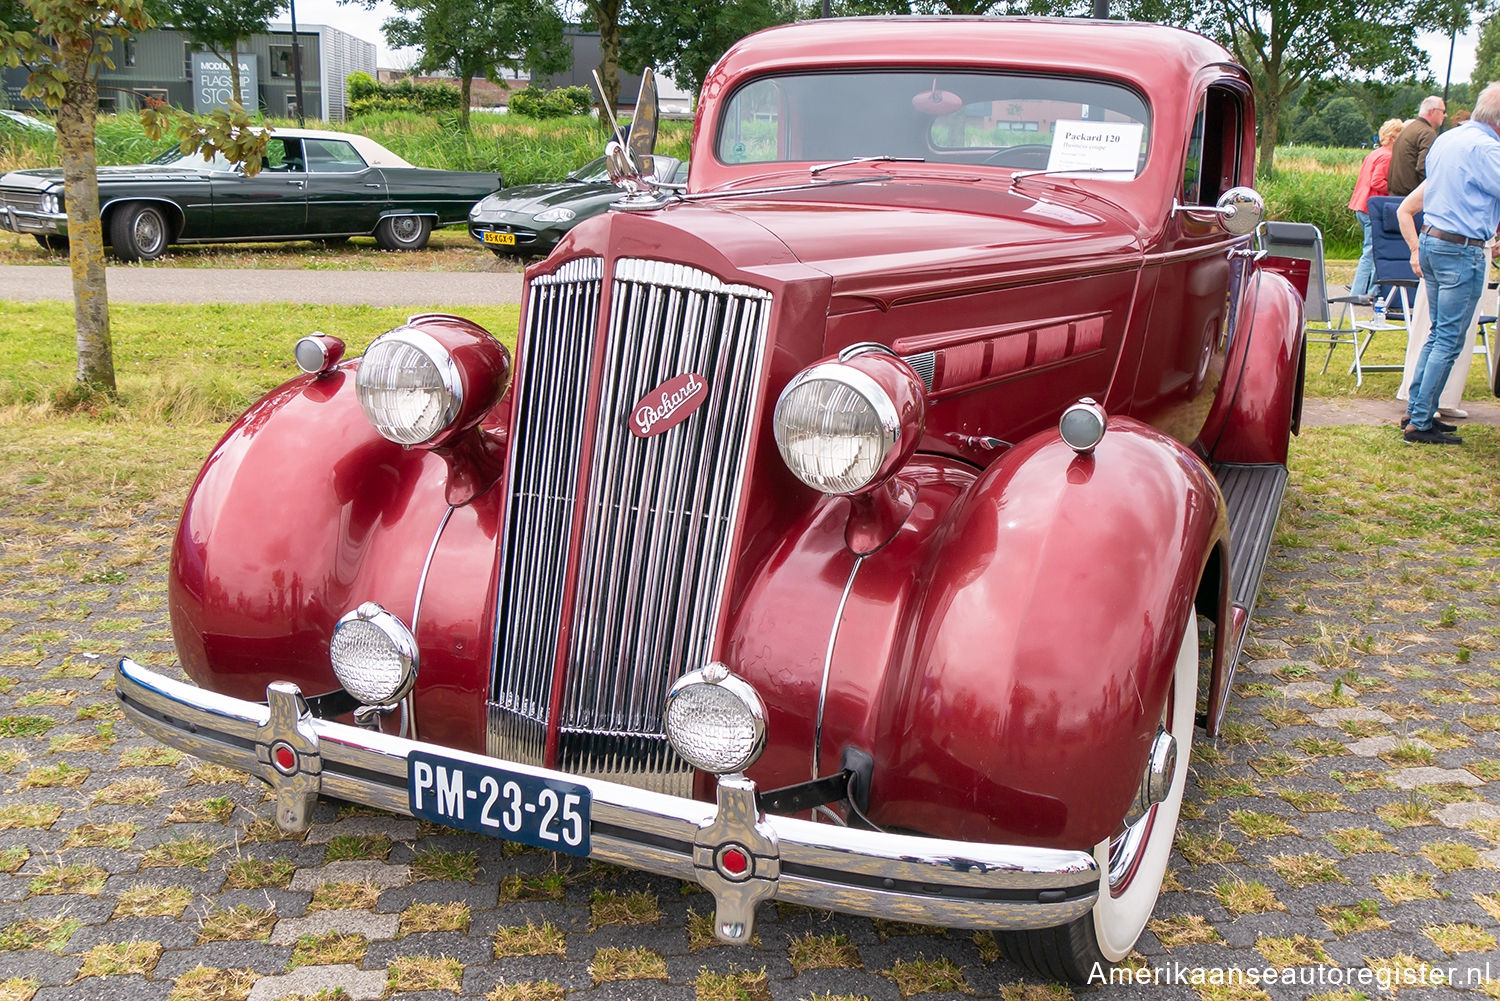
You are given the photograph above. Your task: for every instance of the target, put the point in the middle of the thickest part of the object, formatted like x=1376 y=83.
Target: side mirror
x=1238 y=212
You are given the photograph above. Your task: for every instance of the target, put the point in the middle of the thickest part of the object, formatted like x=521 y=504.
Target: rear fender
x=1258 y=405
x=1038 y=664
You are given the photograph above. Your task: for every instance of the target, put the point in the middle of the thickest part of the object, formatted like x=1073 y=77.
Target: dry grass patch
x=1311 y=800
x=545 y=939
x=47 y=697
x=1184 y=929
x=18 y=988
x=151 y=757
x=547 y=886
x=1414 y=811
x=457 y=867
x=208 y=775
x=425 y=973
x=1037 y=992
x=1304 y=870
x=927 y=976
x=451 y=916
x=1444 y=739
x=1260 y=826
x=129 y=792
x=254 y=874
x=49 y=934
x=215 y=810
x=118 y=836
x=638 y=963
x=41 y=816
x=1231 y=992
x=1403 y=886
x=205 y=983
x=1299 y=950
x=1452 y=856
x=266 y=829
x=367 y=847
x=736 y=985
x=1358 y=841
x=14 y=857
x=1204 y=849
x=195 y=851
x=76 y=878
x=1464 y=937
x=118 y=958
x=59 y=776
x=532 y=990
x=1401 y=971
x=1362 y=781
x=152 y=901
x=328 y=949
x=824 y=952
x=102 y=739
x=1241 y=897
x=241 y=923
x=623 y=909
x=1363 y=916
x=344 y=896
x=25 y=726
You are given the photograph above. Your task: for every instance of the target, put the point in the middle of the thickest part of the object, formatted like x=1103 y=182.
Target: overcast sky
x=365 y=24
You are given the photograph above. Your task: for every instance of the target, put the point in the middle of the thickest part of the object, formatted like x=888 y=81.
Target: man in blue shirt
x=1460 y=201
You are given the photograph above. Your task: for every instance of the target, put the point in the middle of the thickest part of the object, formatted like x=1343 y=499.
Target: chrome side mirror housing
x=1238 y=212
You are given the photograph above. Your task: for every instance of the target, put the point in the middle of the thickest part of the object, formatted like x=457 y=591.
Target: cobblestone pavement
x=1344 y=827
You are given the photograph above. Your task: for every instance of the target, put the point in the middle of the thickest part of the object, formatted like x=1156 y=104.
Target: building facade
x=164 y=64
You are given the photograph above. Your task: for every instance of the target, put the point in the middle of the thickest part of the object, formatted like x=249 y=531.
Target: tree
x=1347 y=122
x=65 y=44
x=220 y=25
x=1487 y=55
x=477 y=37
x=605 y=15
x=684 y=40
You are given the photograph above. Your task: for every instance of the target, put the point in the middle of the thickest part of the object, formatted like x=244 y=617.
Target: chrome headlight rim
x=720 y=677
x=1082 y=425
x=872 y=393
x=442 y=361
x=401 y=641
x=557 y=213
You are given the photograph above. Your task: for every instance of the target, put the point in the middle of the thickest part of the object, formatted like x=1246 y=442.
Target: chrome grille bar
x=551 y=399
x=658 y=516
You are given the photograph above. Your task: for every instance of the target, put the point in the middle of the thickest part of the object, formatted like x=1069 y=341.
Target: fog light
x=318 y=353
x=374 y=655
x=1082 y=426
x=715 y=720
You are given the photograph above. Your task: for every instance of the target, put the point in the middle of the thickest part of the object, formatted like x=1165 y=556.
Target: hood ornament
x=629 y=158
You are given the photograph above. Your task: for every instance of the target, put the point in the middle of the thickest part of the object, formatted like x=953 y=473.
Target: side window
x=330 y=156
x=1213 y=152
x=751 y=125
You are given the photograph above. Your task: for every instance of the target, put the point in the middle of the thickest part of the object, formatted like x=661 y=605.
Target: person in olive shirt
x=1409 y=155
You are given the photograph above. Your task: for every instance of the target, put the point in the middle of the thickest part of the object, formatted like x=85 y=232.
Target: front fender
x=1257 y=407
x=1041 y=655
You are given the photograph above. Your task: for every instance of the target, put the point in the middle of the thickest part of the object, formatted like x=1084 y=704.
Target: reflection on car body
x=314 y=185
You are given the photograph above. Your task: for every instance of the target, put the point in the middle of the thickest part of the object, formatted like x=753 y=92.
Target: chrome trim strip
x=932 y=880
x=408 y=705
x=833 y=635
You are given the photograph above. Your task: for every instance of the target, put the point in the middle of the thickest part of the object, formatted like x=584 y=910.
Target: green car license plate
x=501 y=803
x=504 y=239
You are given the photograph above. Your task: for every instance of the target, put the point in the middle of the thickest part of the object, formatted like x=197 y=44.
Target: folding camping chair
x=1303 y=241
x=1395 y=282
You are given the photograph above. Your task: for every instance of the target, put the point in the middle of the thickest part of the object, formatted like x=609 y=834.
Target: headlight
x=1082 y=426
x=715 y=720
x=555 y=215
x=51 y=204
x=842 y=426
x=374 y=655
x=409 y=386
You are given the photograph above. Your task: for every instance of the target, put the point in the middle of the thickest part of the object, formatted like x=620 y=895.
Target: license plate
x=504 y=239
x=499 y=802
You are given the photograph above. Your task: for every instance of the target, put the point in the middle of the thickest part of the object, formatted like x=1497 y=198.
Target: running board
x=1252 y=494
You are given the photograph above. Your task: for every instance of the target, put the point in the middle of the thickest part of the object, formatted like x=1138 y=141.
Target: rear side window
x=330 y=156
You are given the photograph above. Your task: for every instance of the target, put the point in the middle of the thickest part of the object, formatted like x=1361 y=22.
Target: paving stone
x=1302 y=689
x=1331 y=718
x=132 y=986
x=1268 y=666
x=367 y=923
x=393 y=827
x=379 y=873
x=360 y=985
x=1411 y=778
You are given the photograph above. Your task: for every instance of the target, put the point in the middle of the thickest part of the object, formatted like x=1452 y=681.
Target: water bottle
x=1379 y=312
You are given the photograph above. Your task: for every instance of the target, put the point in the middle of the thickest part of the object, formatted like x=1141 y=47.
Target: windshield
x=1007 y=120
x=175 y=158
x=594 y=172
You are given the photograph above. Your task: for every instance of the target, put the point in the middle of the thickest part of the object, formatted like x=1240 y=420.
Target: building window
x=129 y=59
x=187 y=60
x=281 y=61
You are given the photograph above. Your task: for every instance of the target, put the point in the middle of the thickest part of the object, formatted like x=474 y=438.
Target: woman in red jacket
x=1372 y=175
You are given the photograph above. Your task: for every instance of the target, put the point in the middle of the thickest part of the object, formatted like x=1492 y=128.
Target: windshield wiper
x=1018 y=175
x=884 y=158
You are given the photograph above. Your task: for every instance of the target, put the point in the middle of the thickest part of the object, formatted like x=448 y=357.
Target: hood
x=43 y=178
x=529 y=199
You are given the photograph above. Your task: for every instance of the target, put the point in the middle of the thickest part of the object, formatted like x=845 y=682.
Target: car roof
x=374 y=154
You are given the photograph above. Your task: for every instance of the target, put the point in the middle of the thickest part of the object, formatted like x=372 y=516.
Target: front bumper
x=27 y=221
x=927 y=880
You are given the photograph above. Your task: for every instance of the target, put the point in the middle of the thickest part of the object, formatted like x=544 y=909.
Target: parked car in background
x=853 y=528
x=315 y=185
x=530 y=218
x=16 y=120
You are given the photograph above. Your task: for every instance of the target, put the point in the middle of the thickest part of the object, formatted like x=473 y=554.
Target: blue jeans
x=1364 y=271
x=1454 y=274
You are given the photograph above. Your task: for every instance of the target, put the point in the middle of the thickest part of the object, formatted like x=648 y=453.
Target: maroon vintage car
x=845 y=529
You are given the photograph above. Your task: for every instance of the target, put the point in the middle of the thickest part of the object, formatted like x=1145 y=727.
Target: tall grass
x=1309 y=184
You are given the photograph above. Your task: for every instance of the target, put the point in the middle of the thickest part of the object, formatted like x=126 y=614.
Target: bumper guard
x=926 y=880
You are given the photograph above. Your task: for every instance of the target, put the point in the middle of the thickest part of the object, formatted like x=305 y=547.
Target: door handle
x=300 y=184
x=371 y=184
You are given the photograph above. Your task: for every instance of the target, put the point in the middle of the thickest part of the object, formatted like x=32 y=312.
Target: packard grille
x=658 y=512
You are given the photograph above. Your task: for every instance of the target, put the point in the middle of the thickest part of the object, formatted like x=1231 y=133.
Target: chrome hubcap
x=148 y=232
x=405 y=228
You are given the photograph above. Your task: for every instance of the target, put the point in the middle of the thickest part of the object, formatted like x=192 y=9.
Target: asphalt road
x=30 y=283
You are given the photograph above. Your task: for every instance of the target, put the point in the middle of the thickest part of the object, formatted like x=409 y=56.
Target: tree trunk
x=232 y=61
x=607 y=14
x=75 y=137
x=465 y=94
x=1270 y=112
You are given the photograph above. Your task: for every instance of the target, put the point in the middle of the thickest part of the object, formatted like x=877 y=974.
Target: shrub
x=366 y=96
x=560 y=103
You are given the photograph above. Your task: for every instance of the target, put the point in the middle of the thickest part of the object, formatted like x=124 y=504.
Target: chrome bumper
x=24 y=221
x=927 y=880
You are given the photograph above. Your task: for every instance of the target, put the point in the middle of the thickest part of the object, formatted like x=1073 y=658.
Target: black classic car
x=314 y=186
x=531 y=218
